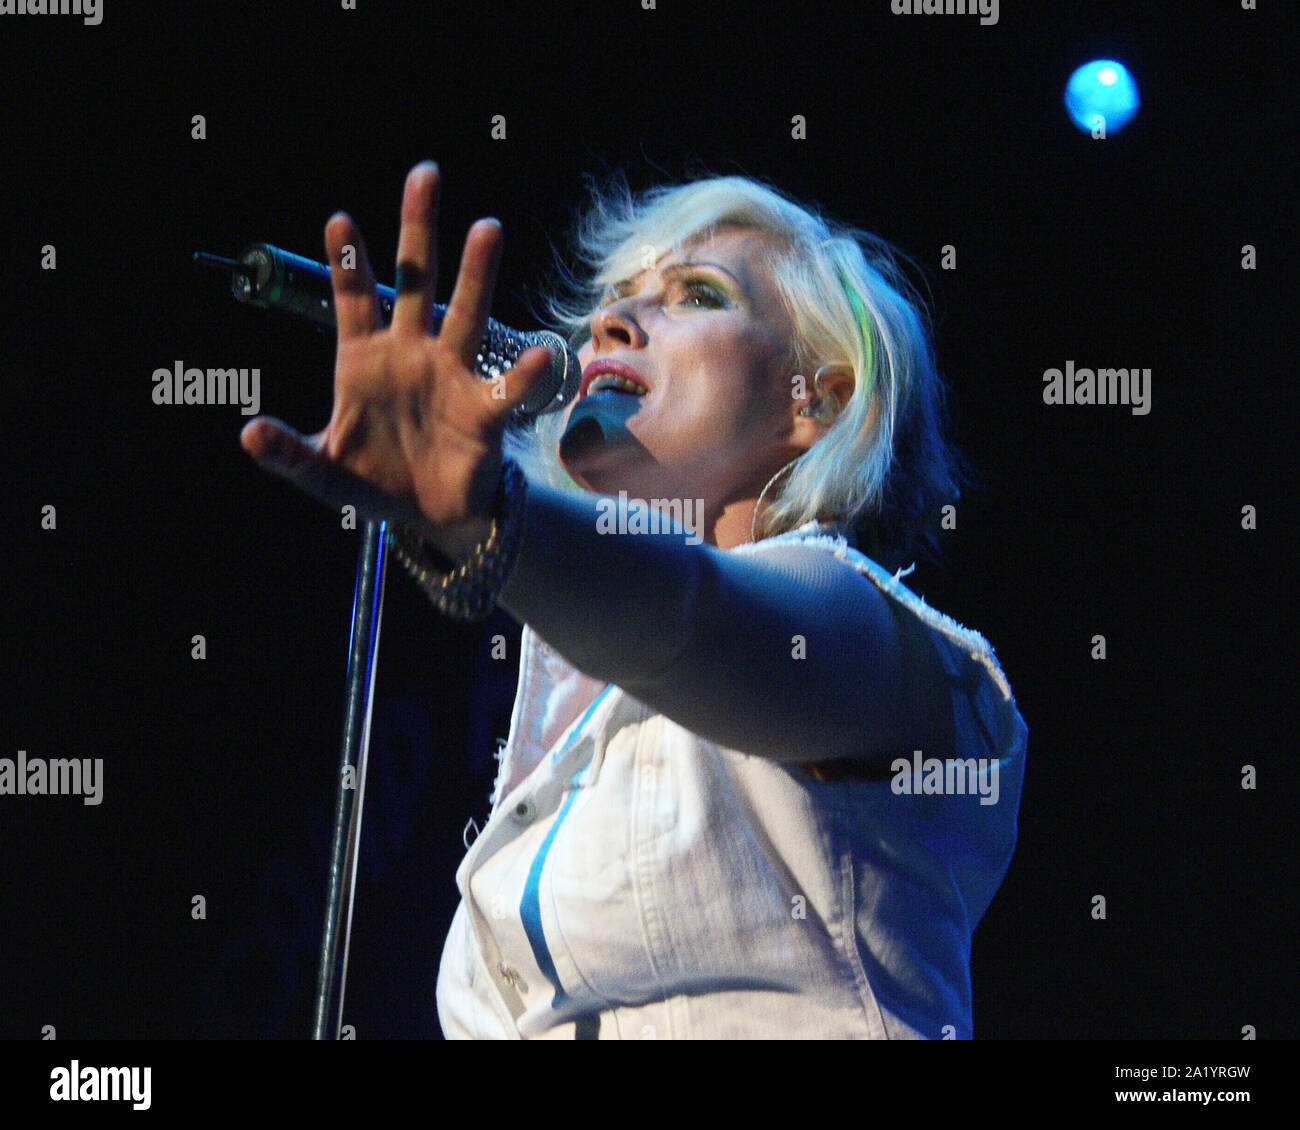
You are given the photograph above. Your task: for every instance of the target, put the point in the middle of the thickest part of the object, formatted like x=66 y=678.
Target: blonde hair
x=884 y=466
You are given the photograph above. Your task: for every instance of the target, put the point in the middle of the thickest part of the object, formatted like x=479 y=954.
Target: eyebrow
x=688 y=265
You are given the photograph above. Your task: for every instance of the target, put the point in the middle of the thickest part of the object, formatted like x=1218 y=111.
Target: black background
x=927 y=130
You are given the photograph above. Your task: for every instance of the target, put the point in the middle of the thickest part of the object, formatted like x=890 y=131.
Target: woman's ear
x=832 y=384
x=835 y=380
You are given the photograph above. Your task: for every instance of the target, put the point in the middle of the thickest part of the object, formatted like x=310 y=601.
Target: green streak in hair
x=864 y=326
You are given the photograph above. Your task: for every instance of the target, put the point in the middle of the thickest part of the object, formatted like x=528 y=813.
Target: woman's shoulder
x=940 y=655
x=839 y=541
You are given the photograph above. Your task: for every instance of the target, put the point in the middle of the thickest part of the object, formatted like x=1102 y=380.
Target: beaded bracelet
x=470 y=592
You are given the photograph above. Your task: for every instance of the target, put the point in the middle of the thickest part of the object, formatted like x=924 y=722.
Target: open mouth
x=611 y=382
x=599 y=417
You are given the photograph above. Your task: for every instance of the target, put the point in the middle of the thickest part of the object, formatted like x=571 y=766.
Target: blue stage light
x=1101 y=88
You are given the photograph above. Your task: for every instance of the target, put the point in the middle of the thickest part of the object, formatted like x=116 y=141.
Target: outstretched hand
x=415 y=434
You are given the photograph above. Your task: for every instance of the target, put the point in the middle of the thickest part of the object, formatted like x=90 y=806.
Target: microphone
x=275 y=279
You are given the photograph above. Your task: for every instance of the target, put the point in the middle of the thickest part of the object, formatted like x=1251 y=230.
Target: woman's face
x=707 y=334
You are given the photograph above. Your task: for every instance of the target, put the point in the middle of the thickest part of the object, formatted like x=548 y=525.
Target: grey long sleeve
x=709 y=638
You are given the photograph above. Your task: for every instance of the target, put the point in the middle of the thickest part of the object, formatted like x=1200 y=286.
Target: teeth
x=611 y=380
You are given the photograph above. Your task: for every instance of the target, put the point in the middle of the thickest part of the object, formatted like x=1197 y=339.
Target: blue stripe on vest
x=530 y=906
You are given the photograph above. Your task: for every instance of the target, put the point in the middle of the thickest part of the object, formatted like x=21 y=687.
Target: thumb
x=303 y=462
x=277 y=447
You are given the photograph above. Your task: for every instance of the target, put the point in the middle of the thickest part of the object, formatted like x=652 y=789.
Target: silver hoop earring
x=753 y=522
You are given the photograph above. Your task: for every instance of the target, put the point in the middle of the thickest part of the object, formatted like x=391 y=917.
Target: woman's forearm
x=616 y=606
x=788 y=653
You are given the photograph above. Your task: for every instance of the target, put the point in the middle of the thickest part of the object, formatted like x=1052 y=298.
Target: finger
x=519 y=382
x=466 y=319
x=300 y=459
x=417 y=256
x=356 y=304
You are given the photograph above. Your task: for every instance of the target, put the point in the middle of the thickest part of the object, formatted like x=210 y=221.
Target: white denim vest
x=635 y=881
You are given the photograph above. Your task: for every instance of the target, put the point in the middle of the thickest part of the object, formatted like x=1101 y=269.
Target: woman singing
x=754 y=787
